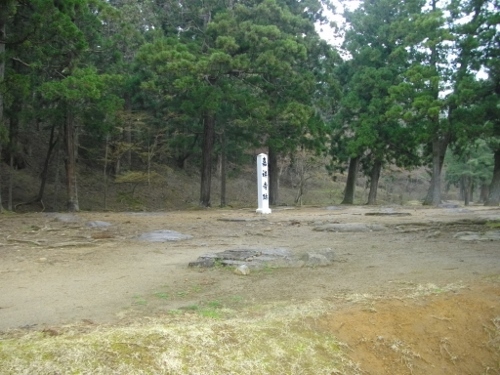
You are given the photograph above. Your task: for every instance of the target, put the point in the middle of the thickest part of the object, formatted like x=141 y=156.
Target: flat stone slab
x=349 y=227
x=387 y=214
x=241 y=219
x=98 y=224
x=259 y=258
x=335 y=208
x=492 y=235
x=164 y=236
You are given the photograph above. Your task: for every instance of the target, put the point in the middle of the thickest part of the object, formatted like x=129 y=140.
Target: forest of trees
x=167 y=81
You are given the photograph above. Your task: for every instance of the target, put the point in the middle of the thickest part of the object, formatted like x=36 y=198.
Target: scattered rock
x=433 y=234
x=492 y=235
x=164 y=236
x=205 y=261
x=387 y=214
x=314 y=260
x=98 y=224
x=241 y=219
x=242 y=270
x=353 y=227
x=64 y=218
x=71 y=244
x=259 y=258
x=102 y=235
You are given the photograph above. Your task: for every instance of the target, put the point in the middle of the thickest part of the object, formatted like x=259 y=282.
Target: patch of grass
x=196 y=289
x=214 y=304
x=280 y=341
x=139 y=301
x=161 y=295
x=212 y=310
x=210 y=313
x=493 y=224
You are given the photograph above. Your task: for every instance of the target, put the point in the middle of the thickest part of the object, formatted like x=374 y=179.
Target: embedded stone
x=164 y=236
x=350 y=227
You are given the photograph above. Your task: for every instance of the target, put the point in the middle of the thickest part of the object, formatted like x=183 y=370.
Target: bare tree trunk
x=128 y=135
x=374 y=178
x=223 y=171
x=70 y=143
x=273 y=177
x=352 y=176
x=439 y=147
x=46 y=163
x=105 y=173
x=1 y=205
x=57 y=179
x=484 y=192
x=206 y=163
x=11 y=182
x=434 y=195
x=494 y=194
x=466 y=189
x=13 y=149
x=3 y=20
x=301 y=171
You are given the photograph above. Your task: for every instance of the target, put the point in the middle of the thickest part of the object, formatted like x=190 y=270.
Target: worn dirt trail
x=56 y=269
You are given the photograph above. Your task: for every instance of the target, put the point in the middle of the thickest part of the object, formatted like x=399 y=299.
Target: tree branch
x=21 y=61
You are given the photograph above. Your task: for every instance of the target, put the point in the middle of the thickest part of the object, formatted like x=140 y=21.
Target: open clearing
x=412 y=298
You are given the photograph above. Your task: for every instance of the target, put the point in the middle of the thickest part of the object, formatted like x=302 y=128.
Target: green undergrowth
x=493 y=224
x=261 y=340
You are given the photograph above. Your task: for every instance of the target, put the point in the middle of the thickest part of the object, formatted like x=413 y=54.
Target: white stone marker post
x=263 y=184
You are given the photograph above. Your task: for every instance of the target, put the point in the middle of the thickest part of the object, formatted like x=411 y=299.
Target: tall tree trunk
x=352 y=176
x=57 y=179
x=494 y=195
x=3 y=21
x=1 y=205
x=374 y=178
x=128 y=135
x=45 y=171
x=15 y=110
x=223 y=170
x=273 y=177
x=439 y=146
x=11 y=183
x=206 y=162
x=484 y=192
x=105 y=173
x=466 y=183
x=70 y=143
x=13 y=150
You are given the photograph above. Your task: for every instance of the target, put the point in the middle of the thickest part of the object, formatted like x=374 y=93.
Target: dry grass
x=282 y=338
x=267 y=340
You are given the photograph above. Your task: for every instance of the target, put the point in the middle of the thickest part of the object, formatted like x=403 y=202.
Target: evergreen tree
x=368 y=127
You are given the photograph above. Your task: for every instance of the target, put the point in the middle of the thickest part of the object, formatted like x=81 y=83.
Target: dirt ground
x=411 y=299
